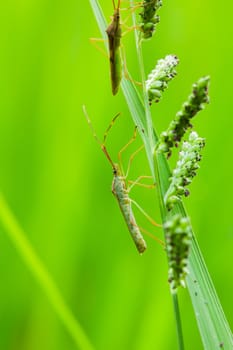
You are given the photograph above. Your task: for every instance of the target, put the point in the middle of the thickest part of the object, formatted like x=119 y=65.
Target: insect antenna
x=102 y=144
x=110 y=127
x=105 y=137
x=118 y=4
x=91 y=126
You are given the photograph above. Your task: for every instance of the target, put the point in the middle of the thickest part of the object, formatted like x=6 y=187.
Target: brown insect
x=114 y=34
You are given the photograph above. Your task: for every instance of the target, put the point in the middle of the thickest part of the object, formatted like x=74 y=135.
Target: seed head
x=160 y=76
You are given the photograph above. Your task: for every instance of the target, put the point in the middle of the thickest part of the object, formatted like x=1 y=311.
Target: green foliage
x=58 y=185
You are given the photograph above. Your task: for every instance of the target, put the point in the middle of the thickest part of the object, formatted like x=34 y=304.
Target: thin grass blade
x=42 y=276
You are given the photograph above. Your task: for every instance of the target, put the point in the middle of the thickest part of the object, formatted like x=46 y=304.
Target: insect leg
x=125 y=70
x=141 y=185
x=131 y=8
x=128 y=29
x=94 y=43
x=137 y=182
x=145 y=214
x=149 y=234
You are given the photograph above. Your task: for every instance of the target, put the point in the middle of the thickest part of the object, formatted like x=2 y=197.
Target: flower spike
x=149 y=17
x=160 y=76
x=177 y=128
x=185 y=170
x=178 y=236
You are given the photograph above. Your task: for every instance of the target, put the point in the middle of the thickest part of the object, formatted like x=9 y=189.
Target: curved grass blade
x=40 y=273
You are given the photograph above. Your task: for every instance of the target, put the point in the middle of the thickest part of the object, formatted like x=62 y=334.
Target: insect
x=120 y=188
x=114 y=34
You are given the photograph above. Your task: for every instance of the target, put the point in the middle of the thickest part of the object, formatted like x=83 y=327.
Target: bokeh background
x=58 y=183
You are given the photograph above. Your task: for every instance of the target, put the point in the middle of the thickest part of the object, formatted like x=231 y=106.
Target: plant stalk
x=155 y=171
x=178 y=321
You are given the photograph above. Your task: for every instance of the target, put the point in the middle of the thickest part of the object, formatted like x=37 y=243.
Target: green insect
x=116 y=55
x=120 y=189
x=114 y=33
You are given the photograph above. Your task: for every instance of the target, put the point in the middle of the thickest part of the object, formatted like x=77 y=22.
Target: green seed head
x=177 y=128
x=158 y=79
x=178 y=241
x=149 y=17
x=186 y=167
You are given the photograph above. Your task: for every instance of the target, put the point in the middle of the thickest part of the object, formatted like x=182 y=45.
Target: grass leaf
x=42 y=276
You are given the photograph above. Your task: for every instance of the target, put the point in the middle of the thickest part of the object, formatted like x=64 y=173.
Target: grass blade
x=33 y=262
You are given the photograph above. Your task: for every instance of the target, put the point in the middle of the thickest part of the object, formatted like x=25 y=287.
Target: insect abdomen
x=114 y=40
x=116 y=72
x=134 y=231
x=118 y=189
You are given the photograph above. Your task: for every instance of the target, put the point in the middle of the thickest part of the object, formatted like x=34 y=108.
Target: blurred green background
x=58 y=182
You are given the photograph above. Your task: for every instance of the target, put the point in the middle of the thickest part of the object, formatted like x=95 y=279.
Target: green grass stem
x=152 y=141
